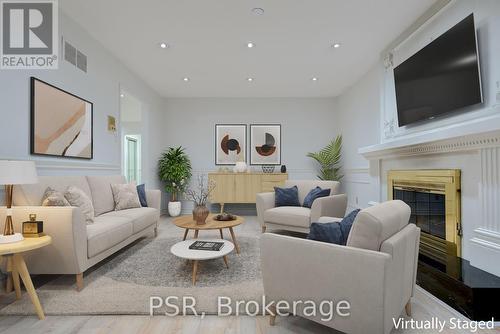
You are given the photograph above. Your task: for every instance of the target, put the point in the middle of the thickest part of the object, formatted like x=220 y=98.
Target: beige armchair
x=375 y=272
x=295 y=218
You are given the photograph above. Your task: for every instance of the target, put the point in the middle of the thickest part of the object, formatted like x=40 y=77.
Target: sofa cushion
x=31 y=194
x=77 y=197
x=286 y=196
x=53 y=197
x=102 y=197
x=375 y=224
x=125 y=196
x=305 y=187
x=141 y=218
x=141 y=191
x=334 y=232
x=313 y=194
x=106 y=232
x=289 y=215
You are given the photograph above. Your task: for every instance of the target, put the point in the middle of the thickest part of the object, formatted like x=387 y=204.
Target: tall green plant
x=174 y=169
x=328 y=159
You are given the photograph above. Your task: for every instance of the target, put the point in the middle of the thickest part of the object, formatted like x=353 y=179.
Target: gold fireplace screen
x=436 y=183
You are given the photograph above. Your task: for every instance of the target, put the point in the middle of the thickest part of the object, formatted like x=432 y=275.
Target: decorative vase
x=240 y=167
x=174 y=208
x=200 y=214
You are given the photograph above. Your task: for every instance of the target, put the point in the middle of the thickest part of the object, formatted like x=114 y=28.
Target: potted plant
x=199 y=196
x=174 y=169
x=329 y=160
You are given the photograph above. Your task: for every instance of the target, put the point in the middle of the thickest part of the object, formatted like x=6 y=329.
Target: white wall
x=306 y=125
x=101 y=85
x=358 y=115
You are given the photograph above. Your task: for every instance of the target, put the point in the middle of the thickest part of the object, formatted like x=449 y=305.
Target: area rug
x=124 y=283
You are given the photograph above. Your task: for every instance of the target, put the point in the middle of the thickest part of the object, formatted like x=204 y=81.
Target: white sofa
x=77 y=246
x=375 y=272
x=299 y=218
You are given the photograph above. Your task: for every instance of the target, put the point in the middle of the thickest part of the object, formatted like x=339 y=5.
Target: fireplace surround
x=434 y=198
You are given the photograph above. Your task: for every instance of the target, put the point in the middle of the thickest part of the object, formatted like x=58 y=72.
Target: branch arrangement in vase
x=199 y=194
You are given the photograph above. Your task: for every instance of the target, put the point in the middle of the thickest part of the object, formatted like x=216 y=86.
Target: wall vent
x=70 y=53
x=75 y=57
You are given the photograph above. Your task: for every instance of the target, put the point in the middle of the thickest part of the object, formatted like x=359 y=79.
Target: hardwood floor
x=424 y=307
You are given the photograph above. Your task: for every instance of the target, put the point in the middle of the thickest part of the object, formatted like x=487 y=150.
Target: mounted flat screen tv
x=442 y=77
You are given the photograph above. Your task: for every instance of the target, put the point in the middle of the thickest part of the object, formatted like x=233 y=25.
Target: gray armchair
x=375 y=272
x=299 y=219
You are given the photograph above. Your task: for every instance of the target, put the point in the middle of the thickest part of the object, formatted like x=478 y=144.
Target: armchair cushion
x=288 y=215
x=333 y=232
x=313 y=194
x=286 y=196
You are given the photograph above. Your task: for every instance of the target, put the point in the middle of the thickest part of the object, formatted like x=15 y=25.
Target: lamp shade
x=17 y=172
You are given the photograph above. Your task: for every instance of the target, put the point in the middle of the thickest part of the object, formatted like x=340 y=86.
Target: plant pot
x=200 y=214
x=174 y=208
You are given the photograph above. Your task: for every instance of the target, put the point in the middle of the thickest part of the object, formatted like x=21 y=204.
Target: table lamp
x=12 y=173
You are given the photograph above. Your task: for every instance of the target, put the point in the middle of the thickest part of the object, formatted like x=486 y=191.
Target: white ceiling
x=208 y=42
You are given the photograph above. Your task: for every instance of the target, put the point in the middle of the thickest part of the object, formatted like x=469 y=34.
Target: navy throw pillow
x=334 y=233
x=141 y=191
x=313 y=194
x=286 y=196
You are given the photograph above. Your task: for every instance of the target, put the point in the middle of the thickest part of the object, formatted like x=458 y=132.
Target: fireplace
x=434 y=199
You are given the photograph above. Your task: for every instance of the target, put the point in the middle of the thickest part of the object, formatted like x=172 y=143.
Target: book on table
x=206 y=245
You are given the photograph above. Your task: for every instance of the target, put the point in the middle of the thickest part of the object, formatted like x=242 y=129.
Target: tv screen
x=442 y=77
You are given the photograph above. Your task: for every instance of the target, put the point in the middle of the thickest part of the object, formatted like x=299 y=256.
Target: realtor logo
x=29 y=34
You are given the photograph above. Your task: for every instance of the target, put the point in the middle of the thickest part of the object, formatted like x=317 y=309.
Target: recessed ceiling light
x=314 y=79
x=163 y=45
x=250 y=44
x=336 y=45
x=258 y=11
x=186 y=79
x=249 y=79
x=122 y=95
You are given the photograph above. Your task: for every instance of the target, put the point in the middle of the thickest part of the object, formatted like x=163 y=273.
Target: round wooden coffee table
x=186 y=222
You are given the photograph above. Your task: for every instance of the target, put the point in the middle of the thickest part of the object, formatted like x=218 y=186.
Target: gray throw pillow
x=125 y=196
x=77 y=197
x=53 y=197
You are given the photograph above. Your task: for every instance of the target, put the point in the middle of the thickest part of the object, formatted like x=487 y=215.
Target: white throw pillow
x=125 y=196
x=53 y=197
x=77 y=197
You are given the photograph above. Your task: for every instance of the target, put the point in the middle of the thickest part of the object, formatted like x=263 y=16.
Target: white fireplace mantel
x=472 y=135
x=481 y=191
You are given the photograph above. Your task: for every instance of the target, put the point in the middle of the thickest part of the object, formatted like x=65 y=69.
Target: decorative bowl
x=268 y=168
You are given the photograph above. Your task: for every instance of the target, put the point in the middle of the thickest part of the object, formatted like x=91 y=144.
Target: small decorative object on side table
x=199 y=196
x=33 y=228
x=16 y=265
x=11 y=173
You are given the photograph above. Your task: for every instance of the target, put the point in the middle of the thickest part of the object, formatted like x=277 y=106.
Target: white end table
x=181 y=249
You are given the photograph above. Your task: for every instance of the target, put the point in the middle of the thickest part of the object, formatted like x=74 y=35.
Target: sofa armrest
x=67 y=254
x=264 y=201
x=295 y=269
x=153 y=197
x=332 y=206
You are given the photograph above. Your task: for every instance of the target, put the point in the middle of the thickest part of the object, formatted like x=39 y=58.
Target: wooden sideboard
x=243 y=187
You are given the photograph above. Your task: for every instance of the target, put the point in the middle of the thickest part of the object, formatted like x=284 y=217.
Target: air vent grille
x=75 y=57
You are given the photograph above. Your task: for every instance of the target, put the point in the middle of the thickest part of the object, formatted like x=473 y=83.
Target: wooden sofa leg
x=264 y=229
x=408 y=309
x=272 y=316
x=79 y=282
